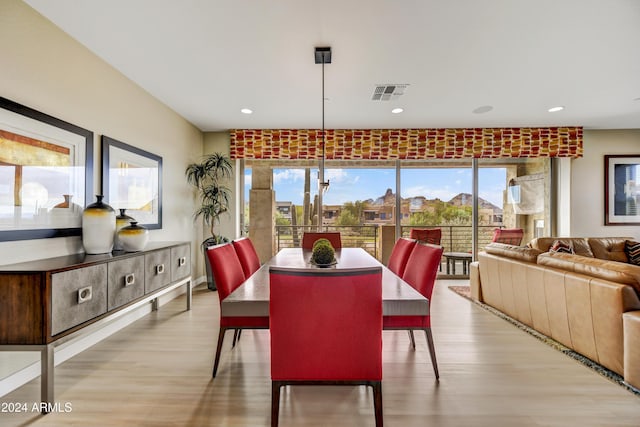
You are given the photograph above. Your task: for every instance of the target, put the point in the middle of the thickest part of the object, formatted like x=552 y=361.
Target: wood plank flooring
x=157 y=372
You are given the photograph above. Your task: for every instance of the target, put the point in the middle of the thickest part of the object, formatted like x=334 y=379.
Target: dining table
x=251 y=298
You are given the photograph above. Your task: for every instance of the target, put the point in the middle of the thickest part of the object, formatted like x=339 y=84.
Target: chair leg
x=275 y=402
x=432 y=351
x=411 y=338
x=377 y=402
x=236 y=337
x=218 y=350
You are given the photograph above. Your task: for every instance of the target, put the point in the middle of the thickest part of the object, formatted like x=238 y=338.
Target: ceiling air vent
x=388 y=92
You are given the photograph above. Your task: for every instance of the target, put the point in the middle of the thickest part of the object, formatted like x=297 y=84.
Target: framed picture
x=622 y=189
x=132 y=180
x=46 y=174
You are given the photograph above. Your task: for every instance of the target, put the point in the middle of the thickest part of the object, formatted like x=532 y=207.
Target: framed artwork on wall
x=132 y=180
x=46 y=174
x=622 y=189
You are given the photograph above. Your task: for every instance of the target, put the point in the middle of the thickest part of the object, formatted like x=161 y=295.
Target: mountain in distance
x=462 y=199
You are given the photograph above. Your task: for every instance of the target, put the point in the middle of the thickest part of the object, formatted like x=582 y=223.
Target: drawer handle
x=84 y=294
x=160 y=269
x=129 y=279
x=182 y=261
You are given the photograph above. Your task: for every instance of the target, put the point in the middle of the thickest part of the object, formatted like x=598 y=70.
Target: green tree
x=347 y=218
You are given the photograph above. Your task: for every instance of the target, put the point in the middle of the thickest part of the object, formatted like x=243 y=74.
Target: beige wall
x=587 y=182
x=43 y=68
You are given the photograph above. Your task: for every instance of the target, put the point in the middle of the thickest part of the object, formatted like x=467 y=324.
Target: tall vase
x=98 y=227
x=122 y=220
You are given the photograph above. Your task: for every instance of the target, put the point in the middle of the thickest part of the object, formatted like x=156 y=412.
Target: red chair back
x=400 y=254
x=309 y=238
x=422 y=267
x=510 y=236
x=247 y=255
x=427 y=235
x=326 y=325
x=226 y=268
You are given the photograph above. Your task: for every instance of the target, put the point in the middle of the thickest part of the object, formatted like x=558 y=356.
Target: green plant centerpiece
x=208 y=178
x=323 y=254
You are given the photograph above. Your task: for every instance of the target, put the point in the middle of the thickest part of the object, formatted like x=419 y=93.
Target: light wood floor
x=156 y=372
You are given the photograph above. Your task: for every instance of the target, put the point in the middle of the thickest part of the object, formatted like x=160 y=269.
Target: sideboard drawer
x=180 y=262
x=157 y=270
x=77 y=296
x=126 y=281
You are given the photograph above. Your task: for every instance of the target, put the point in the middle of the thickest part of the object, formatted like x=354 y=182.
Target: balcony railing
x=455 y=238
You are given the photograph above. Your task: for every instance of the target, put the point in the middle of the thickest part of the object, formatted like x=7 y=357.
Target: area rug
x=465 y=292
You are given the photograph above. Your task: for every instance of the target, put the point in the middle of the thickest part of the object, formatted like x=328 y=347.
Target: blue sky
x=348 y=185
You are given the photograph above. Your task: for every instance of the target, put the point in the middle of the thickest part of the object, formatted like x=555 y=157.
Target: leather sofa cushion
x=521 y=253
x=609 y=248
x=603 y=269
x=580 y=245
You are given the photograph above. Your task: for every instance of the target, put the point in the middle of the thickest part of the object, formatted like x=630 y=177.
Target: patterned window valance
x=410 y=144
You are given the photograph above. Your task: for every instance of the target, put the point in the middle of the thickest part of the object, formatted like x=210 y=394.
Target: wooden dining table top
x=252 y=297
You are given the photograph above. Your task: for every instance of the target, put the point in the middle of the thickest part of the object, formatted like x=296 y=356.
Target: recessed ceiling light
x=483 y=109
x=246 y=111
x=554 y=109
x=397 y=110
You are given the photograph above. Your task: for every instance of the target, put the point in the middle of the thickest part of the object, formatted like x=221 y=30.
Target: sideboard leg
x=189 y=289
x=46 y=378
x=154 y=304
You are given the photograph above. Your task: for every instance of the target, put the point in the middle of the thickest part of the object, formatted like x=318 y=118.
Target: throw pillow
x=561 y=247
x=632 y=249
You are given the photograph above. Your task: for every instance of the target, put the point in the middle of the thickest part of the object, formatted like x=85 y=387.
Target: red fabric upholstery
x=247 y=255
x=400 y=254
x=326 y=325
x=309 y=238
x=510 y=236
x=427 y=235
x=422 y=268
x=228 y=275
x=226 y=268
x=420 y=272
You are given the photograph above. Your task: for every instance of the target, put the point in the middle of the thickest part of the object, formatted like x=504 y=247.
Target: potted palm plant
x=208 y=177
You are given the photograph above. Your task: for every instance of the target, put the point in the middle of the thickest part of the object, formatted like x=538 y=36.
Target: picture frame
x=622 y=189
x=132 y=180
x=46 y=174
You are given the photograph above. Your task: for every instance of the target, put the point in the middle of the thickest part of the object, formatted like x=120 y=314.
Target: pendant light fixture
x=322 y=56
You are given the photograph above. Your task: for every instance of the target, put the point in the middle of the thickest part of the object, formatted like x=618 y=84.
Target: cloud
x=281 y=176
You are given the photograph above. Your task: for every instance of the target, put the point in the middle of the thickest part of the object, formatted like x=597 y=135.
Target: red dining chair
x=309 y=238
x=326 y=329
x=510 y=236
x=427 y=235
x=228 y=275
x=420 y=273
x=247 y=255
x=400 y=254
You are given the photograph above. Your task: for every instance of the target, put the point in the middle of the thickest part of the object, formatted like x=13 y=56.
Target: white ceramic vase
x=133 y=238
x=122 y=221
x=98 y=227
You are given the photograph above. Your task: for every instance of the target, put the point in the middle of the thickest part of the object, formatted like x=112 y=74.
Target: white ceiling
x=207 y=59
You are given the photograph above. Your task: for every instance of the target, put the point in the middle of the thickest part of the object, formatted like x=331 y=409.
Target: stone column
x=262 y=210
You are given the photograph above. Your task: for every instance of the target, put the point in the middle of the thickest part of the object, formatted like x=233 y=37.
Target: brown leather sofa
x=588 y=301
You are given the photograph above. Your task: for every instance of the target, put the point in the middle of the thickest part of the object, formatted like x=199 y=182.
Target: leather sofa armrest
x=631 y=327
x=521 y=253
x=474 y=281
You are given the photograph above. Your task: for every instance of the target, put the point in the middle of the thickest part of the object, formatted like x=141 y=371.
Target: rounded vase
x=134 y=237
x=122 y=221
x=98 y=227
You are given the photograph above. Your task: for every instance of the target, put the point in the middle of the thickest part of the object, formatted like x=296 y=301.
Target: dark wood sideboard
x=49 y=301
